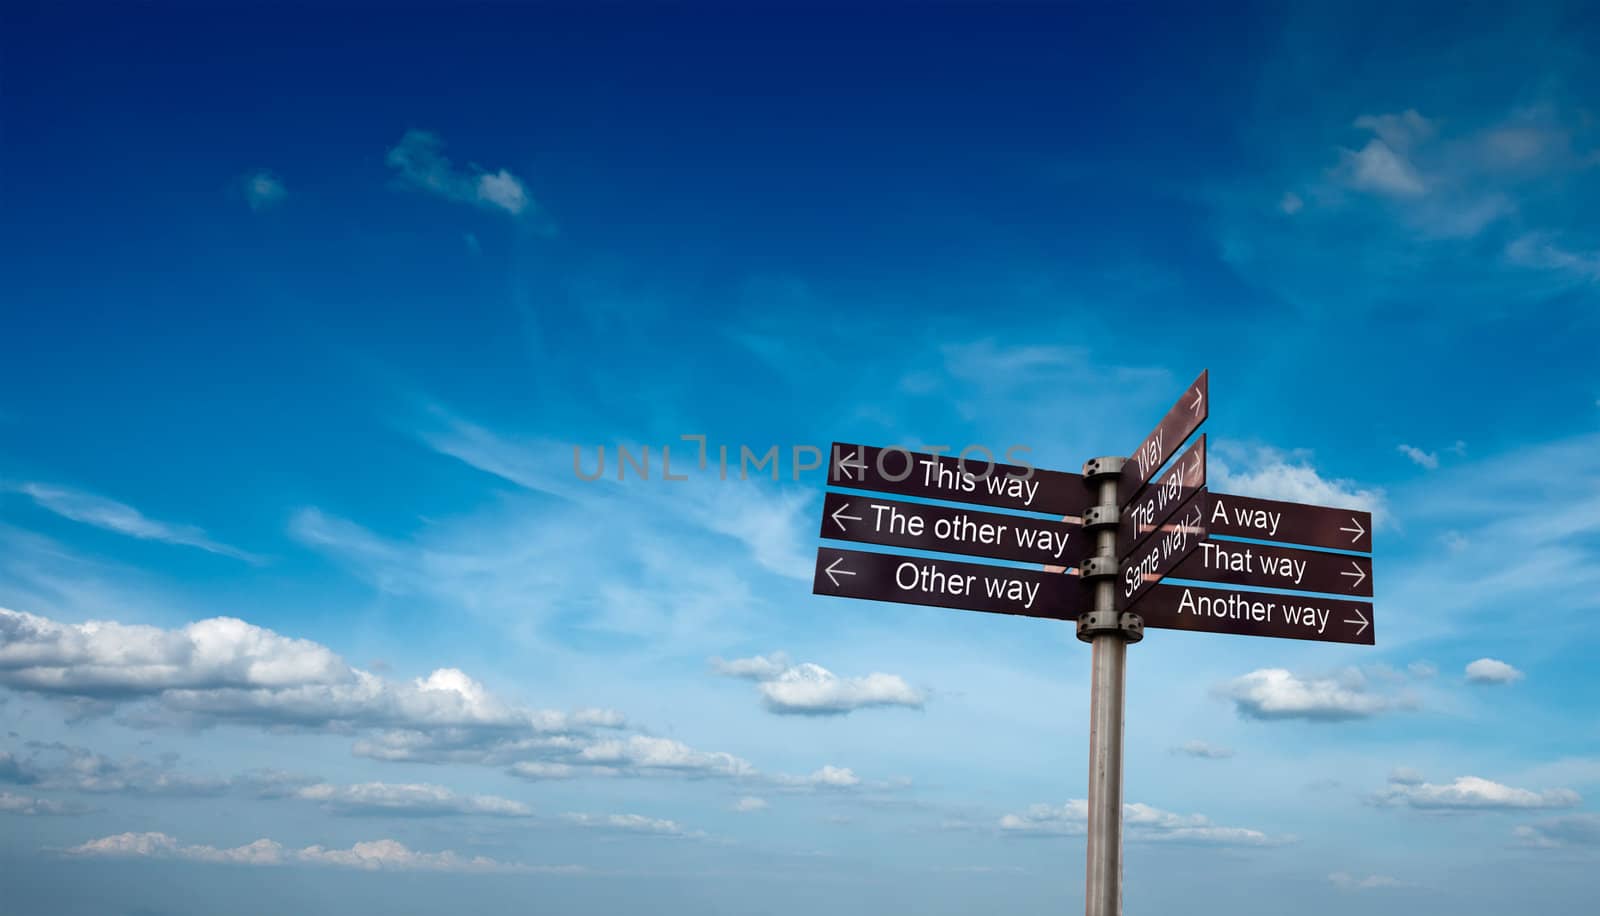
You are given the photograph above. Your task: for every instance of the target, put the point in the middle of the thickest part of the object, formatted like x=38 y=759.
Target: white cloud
x=1492 y=671
x=1273 y=474
x=420 y=161
x=1203 y=750
x=408 y=799
x=1377 y=167
x=1469 y=793
x=65 y=766
x=1291 y=203
x=1382 y=165
x=1429 y=460
x=1568 y=830
x=1406 y=776
x=1140 y=823
x=1275 y=693
x=15 y=771
x=756 y=667
x=645 y=753
x=750 y=803
x=263 y=190
x=810 y=689
x=1348 y=882
x=534 y=770
x=823 y=778
x=1543 y=252
x=631 y=823
x=89 y=509
x=834 y=777
x=28 y=806
x=224 y=670
x=374 y=855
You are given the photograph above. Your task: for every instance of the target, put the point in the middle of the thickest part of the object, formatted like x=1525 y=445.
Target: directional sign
x=1184 y=418
x=1293 y=523
x=1265 y=566
x=896 y=470
x=1157 y=556
x=1218 y=610
x=947 y=583
x=857 y=517
x=1159 y=501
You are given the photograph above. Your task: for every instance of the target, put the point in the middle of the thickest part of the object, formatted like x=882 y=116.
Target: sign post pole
x=1108 y=633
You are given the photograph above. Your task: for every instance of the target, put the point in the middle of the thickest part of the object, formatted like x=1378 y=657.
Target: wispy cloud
x=1141 y=822
x=1347 y=882
x=1202 y=750
x=1468 y=793
x=263 y=190
x=57 y=765
x=1420 y=458
x=373 y=855
x=632 y=823
x=419 y=162
x=827 y=777
x=407 y=800
x=1558 y=832
x=90 y=509
x=29 y=806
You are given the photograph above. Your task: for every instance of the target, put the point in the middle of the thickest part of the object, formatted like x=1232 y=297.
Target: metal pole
x=1108 y=634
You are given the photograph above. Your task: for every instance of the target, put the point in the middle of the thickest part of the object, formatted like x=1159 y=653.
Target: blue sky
x=304 y=314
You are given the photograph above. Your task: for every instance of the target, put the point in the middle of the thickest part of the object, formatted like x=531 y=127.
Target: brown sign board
x=1226 y=610
x=950 y=529
x=948 y=477
x=1269 y=566
x=1163 y=553
x=1162 y=498
x=1184 y=418
x=1291 y=523
x=947 y=583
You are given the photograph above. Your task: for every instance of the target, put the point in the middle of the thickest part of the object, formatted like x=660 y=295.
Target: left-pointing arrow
x=852 y=460
x=837 y=516
x=834 y=572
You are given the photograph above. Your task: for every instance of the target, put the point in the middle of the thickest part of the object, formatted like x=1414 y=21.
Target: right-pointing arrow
x=1360 y=574
x=831 y=570
x=1357 y=531
x=1362 y=621
x=836 y=516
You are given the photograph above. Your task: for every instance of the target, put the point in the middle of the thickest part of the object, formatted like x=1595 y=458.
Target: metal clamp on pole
x=1109 y=633
x=1096 y=623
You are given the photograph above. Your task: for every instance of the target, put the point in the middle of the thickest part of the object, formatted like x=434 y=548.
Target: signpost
x=1192 y=408
x=946 y=583
x=1226 y=610
x=1162 y=555
x=1291 y=523
x=921 y=526
x=1266 y=566
x=1156 y=503
x=1123 y=526
x=974 y=480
